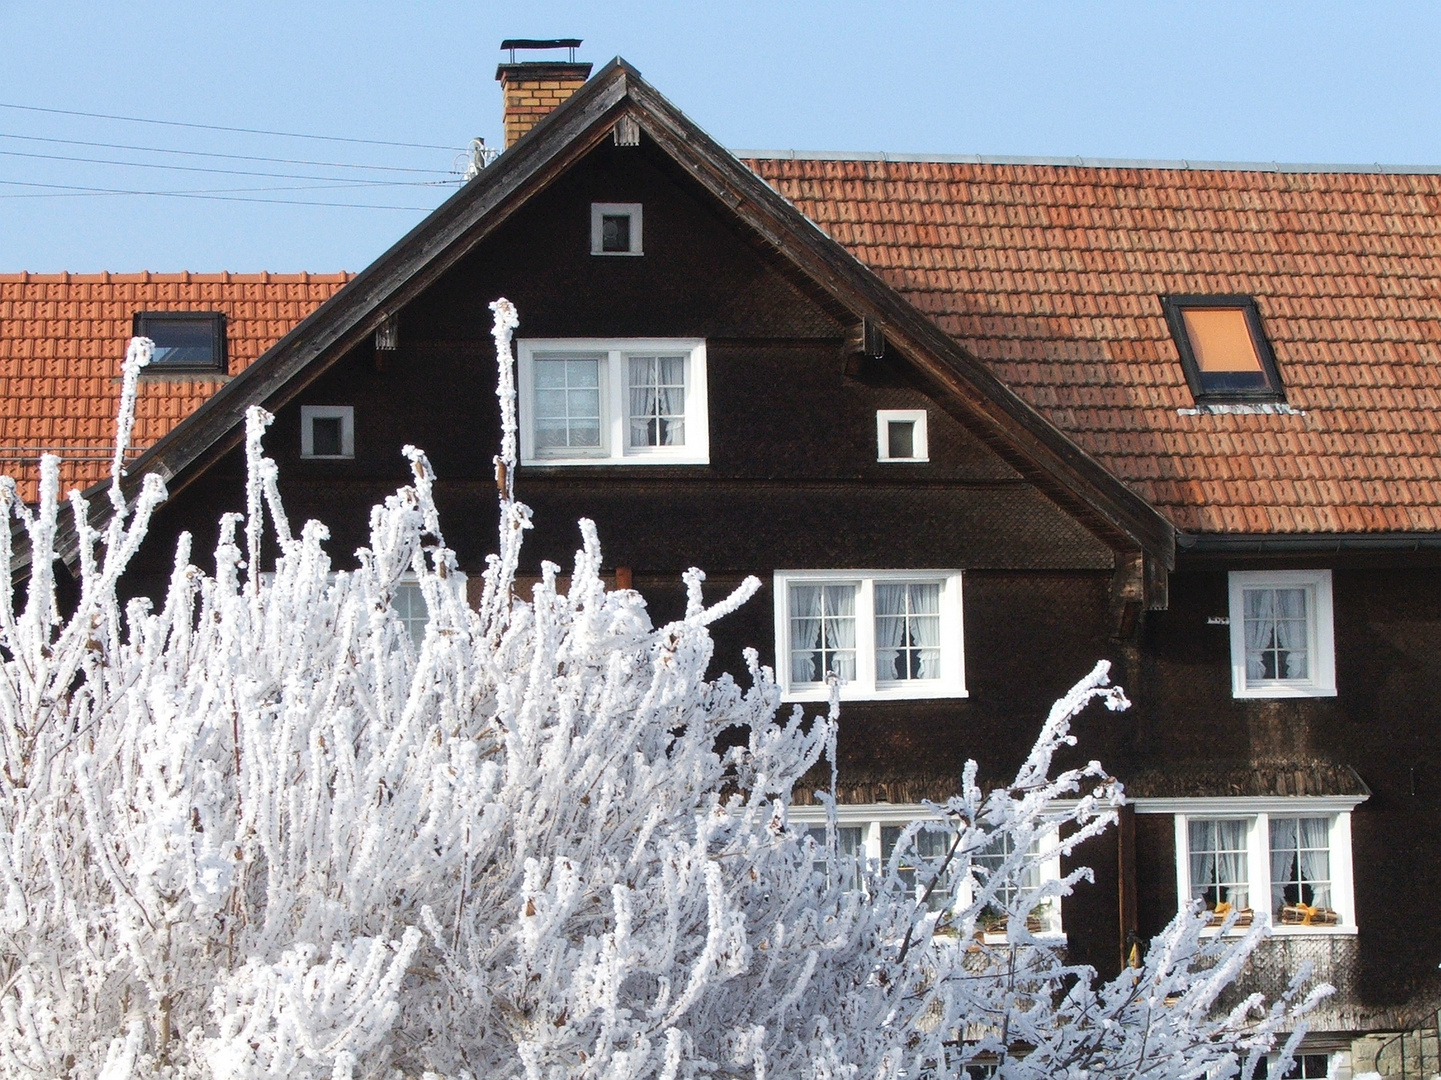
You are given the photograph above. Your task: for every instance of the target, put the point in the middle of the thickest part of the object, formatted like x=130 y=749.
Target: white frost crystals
x=255 y=832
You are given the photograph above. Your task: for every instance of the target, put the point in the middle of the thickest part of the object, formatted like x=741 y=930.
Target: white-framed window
x=884 y=633
x=615 y=229
x=901 y=435
x=1304 y=1066
x=867 y=835
x=1289 y=858
x=327 y=431
x=597 y=402
x=1282 y=638
x=408 y=600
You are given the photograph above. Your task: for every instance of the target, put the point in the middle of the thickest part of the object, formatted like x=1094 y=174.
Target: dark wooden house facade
x=975 y=426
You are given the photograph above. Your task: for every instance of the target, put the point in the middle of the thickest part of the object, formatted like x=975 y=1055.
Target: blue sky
x=1313 y=82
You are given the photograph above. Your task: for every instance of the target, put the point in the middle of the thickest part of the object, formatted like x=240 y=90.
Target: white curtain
x=805 y=633
x=657 y=401
x=1276 y=634
x=1316 y=859
x=926 y=628
x=890 y=630
x=839 y=625
x=1218 y=862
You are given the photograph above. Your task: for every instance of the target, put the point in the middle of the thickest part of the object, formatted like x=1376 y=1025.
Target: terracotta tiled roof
x=1052 y=274
x=63 y=338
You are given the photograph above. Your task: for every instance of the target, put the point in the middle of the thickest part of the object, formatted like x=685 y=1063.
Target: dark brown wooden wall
x=793 y=484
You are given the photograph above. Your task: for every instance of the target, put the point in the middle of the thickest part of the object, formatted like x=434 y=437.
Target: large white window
x=1282 y=642
x=1287 y=857
x=588 y=402
x=884 y=633
x=867 y=836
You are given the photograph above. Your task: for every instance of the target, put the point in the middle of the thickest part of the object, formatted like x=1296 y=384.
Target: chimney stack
x=533 y=89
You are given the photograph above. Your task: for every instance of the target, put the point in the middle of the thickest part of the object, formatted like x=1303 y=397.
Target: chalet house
x=975 y=423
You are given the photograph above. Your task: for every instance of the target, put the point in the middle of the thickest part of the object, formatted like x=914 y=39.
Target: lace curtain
x=1276 y=634
x=657 y=401
x=908 y=631
x=823 y=632
x=1300 y=862
x=1218 y=863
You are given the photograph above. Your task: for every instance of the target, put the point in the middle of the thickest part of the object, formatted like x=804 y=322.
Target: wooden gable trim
x=418 y=259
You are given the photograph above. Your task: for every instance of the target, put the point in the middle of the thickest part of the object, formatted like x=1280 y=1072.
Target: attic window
x=185 y=341
x=1223 y=348
x=615 y=228
x=901 y=435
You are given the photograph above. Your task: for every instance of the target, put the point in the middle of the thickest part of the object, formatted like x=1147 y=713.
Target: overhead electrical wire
x=63 y=190
x=216 y=154
x=218 y=127
x=227 y=172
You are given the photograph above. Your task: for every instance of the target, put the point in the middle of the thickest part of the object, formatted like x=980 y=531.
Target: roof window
x=1223 y=348
x=185 y=341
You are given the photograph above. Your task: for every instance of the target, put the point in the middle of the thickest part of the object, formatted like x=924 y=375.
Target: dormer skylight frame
x=1273 y=392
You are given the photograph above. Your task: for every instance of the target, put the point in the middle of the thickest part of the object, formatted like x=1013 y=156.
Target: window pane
x=181 y=341
x=908 y=631
x=615 y=232
x=1301 y=871
x=409 y=604
x=657 y=401
x=1221 y=343
x=1219 y=870
x=325 y=440
x=1277 y=634
x=922 y=859
x=567 y=403
x=823 y=632
x=995 y=915
x=850 y=849
x=901 y=437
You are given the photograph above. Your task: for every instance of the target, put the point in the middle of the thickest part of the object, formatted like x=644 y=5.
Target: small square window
x=185 y=341
x=1282 y=639
x=615 y=228
x=1223 y=348
x=901 y=435
x=327 y=431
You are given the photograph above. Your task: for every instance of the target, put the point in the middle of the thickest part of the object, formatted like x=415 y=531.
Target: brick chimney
x=533 y=89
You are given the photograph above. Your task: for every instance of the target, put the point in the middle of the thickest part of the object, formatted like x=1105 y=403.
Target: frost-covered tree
x=254 y=831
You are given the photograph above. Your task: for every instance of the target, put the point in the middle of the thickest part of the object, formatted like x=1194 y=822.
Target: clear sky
x=1294 y=82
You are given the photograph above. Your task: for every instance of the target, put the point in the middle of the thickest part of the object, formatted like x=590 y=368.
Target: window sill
x=1284 y=692
x=879 y=693
x=643 y=460
x=1288 y=931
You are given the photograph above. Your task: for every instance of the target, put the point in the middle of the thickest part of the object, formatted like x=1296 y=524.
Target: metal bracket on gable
x=864 y=342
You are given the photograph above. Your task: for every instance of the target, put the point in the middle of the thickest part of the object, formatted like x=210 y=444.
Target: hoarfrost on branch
x=256 y=832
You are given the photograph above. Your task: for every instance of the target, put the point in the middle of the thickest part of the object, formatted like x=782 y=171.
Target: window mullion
x=866 y=636
x=1261 y=856
x=617 y=406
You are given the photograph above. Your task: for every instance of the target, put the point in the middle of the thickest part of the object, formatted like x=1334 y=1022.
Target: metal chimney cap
x=511 y=44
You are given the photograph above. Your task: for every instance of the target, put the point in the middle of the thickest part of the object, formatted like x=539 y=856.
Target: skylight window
x=1223 y=348
x=186 y=341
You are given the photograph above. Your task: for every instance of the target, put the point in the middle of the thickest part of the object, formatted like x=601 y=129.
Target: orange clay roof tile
x=63 y=337
x=1053 y=274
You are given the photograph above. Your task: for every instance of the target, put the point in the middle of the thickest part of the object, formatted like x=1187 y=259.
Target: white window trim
x=951 y=684
x=871 y=817
x=1258 y=812
x=1322 y=641
x=601 y=210
x=344 y=413
x=614 y=396
x=919 y=442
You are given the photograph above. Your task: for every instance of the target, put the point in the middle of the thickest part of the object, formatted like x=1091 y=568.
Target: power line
x=64 y=190
x=226 y=172
x=218 y=127
x=215 y=154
